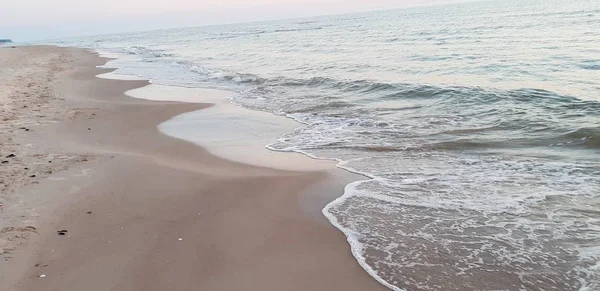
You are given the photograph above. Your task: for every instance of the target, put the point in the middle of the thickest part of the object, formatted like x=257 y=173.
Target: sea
x=476 y=126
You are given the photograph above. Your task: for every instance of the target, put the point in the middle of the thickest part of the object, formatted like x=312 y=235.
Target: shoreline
x=154 y=212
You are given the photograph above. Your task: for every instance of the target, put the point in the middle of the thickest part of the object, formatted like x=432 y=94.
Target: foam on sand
x=229 y=131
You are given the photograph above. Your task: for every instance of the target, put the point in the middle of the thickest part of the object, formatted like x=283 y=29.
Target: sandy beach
x=94 y=197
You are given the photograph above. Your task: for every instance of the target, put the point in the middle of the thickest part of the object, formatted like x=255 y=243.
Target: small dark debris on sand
x=89 y=212
x=32 y=176
x=62 y=232
x=5 y=162
x=10 y=156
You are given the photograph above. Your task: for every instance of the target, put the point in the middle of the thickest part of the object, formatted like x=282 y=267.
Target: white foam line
x=356 y=247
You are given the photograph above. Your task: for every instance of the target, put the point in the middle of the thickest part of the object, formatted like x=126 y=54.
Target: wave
x=260 y=32
x=442 y=95
x=328 y=105
x=496 y=137
x=394 y=91
x=146 y=52
x=298 y=29
x=226 y=75
x=588 y=137
x=593 y=65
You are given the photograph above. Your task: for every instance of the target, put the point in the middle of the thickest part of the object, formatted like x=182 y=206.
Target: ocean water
x=476 y=126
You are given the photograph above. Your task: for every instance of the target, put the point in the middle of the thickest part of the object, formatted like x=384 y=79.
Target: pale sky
x=24 y=20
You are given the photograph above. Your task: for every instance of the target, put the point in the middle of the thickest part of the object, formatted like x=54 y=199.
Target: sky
x=27 y=20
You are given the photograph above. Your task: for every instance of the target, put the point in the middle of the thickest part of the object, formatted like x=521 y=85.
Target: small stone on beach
x=42 y=276
x=11 y=156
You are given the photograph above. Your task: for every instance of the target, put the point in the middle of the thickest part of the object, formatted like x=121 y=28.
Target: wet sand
x=145 y=211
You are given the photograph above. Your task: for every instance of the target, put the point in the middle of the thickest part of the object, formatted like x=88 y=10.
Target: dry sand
x=144 y=211
x=27 y=101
